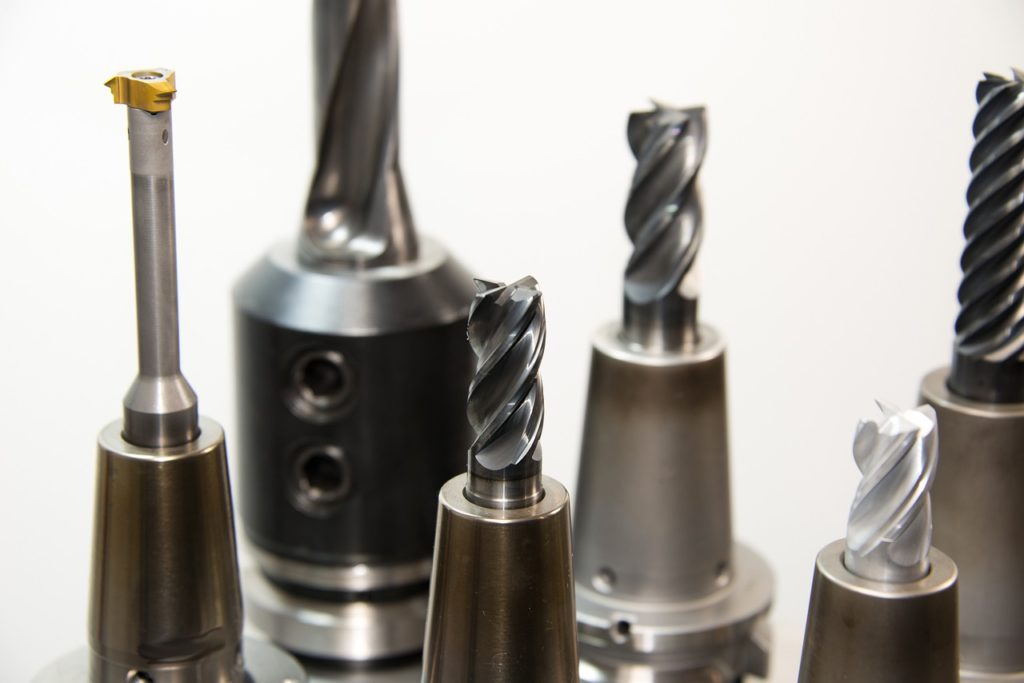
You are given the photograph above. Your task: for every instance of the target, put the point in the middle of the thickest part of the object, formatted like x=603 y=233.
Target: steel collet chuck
x=166 y=604
x=662 y=591
x=351 y=375
x=884 y=602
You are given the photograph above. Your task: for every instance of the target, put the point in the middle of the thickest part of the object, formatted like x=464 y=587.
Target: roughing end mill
x=663 y=593
x=501 y=595
x=883 y=603
x=166 y=604
x=979 y=509
x=351 y=376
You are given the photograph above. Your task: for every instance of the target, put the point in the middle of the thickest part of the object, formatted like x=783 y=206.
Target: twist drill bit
x=987 y=364
x=506 y=400
x=883 y=605
x=357 y=212
x=890 y=528
x=501 y=593
x=331 y=328
x=664 y=221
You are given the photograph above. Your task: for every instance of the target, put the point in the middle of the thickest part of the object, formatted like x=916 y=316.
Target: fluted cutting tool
x=979 y=512
x=352 y=368
x=884 y=602
x=163 y=505
x=663 y=593
x=501 y=597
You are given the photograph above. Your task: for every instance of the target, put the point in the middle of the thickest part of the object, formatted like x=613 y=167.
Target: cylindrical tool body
x=663 y=593
x=351 y=389
x=165 y=591
x=862 y=631
x=501 y=597
x=978 y=509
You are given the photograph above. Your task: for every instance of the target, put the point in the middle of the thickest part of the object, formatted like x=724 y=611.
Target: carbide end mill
x=980 y=400
x=351 y=328
x=664 y=221
x=988 y=361
x=501 y=596
x=506 y=400
x=663 y=592
x=883 y=603
x=163 y=505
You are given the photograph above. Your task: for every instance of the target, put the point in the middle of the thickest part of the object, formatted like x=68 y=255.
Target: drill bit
x=890 y=527
x=989 y=347
x=664 y=221
x=357 y=213
x=160 y=408
x=506 y=400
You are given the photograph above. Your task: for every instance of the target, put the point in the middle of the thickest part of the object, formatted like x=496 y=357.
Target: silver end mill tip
x=890 y=528
x=357 y=213
x=506 y=400
x=988 y=359
x=160 y=408
x=664 y=221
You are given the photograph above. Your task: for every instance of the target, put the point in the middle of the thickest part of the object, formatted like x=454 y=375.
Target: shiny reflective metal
x=890 y=527
x=864 y=631
x=501 y=597
x=165 y=597
x=979 y=518
x=352 y=370
x=663 y=593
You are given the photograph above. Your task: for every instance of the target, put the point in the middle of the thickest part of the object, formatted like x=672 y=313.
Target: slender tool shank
x=506 y=399
x=664 y=221
x=988 y=364
x=357 y=213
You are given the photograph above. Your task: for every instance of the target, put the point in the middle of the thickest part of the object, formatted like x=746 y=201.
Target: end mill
x=166 y=604
x=501 y=595
x=979 y=512
x=663 y=593
x=884 y=602
x=351 y=372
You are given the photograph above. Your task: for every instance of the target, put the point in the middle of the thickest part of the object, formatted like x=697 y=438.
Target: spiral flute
x=890 y=528
x=357 y=212
x=506 y=400
x=989 y=346
x=664 y=221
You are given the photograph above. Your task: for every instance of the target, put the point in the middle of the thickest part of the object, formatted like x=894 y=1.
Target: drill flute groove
x=664 y=220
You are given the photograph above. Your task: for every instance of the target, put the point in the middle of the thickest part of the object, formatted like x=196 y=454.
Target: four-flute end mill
x=979 y=509
x=351 y=374
x=883 y=603
x=663 y=593
x=501 y=596
x=165 y=603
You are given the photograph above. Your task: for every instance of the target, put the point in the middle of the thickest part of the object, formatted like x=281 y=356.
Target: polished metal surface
x=264 y=663
x=979 y=518
x=501 y=597
x=160 y=408
x=663 y=593
x=356 y=578
x=890 y=527
x=357 y=212
x=389 y=672
x=864 y=631
x=353 y=630
x=988 y=359
x=506 y=330
x=664 y=221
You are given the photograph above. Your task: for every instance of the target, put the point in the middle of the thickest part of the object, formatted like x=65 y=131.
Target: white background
x=833 y=188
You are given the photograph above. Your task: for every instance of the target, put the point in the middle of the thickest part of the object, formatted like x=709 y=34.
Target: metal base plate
x=264 y=663
x=410 y=672
x=345 y=631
